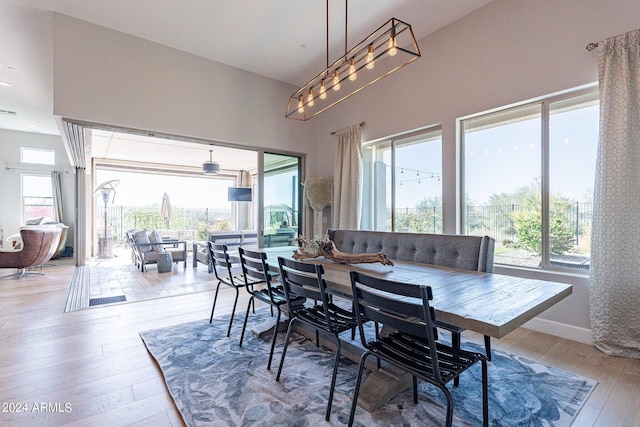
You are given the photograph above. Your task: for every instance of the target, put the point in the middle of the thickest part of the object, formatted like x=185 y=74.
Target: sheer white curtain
x=615 y=243
x=347 y=178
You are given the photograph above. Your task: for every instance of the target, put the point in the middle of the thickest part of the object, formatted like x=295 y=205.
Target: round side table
x=164 y=262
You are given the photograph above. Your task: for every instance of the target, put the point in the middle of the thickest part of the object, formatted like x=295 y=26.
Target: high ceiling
x=282 y=39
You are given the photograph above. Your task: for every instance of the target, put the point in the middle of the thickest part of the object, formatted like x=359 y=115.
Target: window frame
x=544 y=104
x=26 y=150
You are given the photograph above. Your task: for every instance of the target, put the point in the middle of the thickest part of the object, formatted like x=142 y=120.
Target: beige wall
x=104 y=76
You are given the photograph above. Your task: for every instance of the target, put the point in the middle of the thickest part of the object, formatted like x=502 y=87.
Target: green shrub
x=528 y=226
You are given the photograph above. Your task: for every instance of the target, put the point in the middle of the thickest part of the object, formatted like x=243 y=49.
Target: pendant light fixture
x=387 y=49
x=211 y=167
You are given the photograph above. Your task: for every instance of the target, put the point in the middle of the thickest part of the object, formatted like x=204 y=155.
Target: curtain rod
x=32 y=170
x=592 y=46
x=335 y=131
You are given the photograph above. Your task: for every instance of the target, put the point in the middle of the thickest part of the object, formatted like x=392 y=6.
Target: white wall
x=506 y=52
x=108 y=77
x=11 y=182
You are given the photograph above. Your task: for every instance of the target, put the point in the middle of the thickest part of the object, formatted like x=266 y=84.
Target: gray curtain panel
x=615 y=243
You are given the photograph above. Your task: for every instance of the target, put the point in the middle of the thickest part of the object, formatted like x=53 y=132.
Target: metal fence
x=495 y=221
x=183 y=224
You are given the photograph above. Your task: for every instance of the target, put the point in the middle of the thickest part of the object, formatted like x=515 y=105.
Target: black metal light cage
x=387 y=49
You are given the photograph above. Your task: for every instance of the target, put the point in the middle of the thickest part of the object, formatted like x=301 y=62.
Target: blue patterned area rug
x=214 y=382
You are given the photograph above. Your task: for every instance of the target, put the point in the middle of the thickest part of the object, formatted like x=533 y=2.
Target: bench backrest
x=448 y=250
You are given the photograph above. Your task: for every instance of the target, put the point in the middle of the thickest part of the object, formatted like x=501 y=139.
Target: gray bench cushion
x=448 y=250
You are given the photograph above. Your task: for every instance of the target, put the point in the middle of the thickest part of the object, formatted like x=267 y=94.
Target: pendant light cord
x=327 y=33
x=346 y=14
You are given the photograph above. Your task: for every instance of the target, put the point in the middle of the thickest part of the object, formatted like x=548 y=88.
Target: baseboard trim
x=561 y=330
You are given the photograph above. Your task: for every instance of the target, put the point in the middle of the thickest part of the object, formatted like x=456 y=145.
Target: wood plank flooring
x=90 y=367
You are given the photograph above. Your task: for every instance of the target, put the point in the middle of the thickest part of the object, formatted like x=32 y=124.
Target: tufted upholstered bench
x=448 y=250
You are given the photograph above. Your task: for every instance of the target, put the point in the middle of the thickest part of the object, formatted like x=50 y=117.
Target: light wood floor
x=90 y=367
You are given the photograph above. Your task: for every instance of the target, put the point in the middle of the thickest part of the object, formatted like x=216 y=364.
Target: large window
x=37 y=197
x=403 y=183
x=528 y=180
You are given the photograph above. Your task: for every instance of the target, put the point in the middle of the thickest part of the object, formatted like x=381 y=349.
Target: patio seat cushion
x=151 y=257
x=142 y=241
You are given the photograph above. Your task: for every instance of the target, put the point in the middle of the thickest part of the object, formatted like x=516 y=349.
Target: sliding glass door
x=282 y=217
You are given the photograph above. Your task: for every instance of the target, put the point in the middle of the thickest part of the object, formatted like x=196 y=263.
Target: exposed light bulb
x=300 y=105
x=371 y=59
x=310 y=100
x=323 y=90
x=353 y=74
x=336 y=80
x=392 y=49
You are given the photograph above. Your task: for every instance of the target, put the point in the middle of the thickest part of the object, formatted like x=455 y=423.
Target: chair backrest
x=220 y=257
x=254 y=266
x=231 y=239
x=400 y=306
x=304 y=280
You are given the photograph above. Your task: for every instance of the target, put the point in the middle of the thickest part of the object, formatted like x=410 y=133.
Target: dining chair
x=256 y=271
x=220 y=258
x=411 y=346
x=306 y=280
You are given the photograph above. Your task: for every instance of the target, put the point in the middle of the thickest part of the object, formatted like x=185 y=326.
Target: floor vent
x=106 y=300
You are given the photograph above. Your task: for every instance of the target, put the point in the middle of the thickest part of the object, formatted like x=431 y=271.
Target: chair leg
x=415 y=389
x=356 y=391
x=455 y=343
x=246 y=316
x=215 y=298
x=487 y=346
x=449 y=421
x=485 y=395
x=233 y=312
x=284 y=349
x=336 y=361
x=273 y=339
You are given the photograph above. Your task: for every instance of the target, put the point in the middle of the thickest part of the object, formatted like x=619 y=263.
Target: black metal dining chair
x=220 y=258
x=411 y=346
x=306 y=280
x=255 y=270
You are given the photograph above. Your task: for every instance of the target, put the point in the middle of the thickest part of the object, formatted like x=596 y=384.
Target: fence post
x=434 y=220
x=577 y=223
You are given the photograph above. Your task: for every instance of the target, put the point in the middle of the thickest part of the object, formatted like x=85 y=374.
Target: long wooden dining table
x=487 y=303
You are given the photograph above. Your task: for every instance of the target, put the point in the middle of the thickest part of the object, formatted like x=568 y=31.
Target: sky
x=501 y=159
x=140 y=189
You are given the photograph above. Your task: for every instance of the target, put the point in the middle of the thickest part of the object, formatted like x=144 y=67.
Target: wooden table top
x=487 y=303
